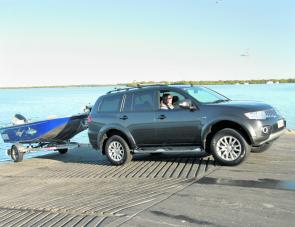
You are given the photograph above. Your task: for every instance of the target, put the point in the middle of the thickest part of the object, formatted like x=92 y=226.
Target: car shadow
x=86 y=155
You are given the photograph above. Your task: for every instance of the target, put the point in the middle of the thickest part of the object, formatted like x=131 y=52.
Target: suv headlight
x=258 y=115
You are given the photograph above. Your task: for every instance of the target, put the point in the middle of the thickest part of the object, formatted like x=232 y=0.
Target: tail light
x=89 y=119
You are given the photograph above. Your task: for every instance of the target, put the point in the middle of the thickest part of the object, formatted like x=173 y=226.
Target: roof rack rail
x=120 y=89
x=187 y=84
x=150 y=85
x=134 y=87
x=172 y=84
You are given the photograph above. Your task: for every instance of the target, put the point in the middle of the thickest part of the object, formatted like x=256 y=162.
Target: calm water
x=37 y=104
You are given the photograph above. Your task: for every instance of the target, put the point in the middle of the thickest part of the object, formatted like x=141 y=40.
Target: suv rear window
x=143 y=101
x=111 y=103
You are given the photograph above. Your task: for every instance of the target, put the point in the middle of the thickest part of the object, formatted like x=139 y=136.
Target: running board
x=167 y=150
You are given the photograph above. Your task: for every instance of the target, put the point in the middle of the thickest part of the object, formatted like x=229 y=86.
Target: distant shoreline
x=62 y=86
x=136 y=83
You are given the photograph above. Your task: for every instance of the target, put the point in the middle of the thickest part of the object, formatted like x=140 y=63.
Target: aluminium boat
x=50 y=134
x=51 y=130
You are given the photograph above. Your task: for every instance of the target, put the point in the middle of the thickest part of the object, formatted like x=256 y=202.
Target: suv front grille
x=271 y=113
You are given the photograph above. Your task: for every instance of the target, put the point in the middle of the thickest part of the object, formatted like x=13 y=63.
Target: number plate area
x=281 y=123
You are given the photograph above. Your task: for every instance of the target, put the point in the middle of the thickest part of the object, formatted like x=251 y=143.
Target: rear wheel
x=117 y=150
x=261 y=148
x=229 y=147
x=62 y=151
x=15 y=154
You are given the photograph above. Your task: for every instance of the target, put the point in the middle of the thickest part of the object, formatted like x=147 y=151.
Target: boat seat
x=19 y=119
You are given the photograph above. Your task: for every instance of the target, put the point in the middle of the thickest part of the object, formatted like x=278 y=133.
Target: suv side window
x=143 y=101
x=176 y=98
x=111 y=103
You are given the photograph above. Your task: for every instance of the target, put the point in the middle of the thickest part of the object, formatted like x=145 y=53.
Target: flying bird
x=245 y=53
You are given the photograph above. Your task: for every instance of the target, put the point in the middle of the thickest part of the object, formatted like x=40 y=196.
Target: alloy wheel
x=229 y=148
x=116 y=151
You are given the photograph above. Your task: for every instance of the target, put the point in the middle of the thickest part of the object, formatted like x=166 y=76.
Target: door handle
x=124 y=117
x=161 y=117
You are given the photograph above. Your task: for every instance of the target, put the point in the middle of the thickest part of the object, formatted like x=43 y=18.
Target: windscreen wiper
x=221 y=100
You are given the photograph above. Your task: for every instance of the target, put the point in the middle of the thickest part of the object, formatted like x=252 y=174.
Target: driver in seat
x=166 y=102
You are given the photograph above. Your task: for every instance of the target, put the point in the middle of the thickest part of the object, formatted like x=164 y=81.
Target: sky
x=59 y=42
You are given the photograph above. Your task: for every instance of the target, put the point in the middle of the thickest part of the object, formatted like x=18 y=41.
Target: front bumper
x=274 y=132
x=273 y=136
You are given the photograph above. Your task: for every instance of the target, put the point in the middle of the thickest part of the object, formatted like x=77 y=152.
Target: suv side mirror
x=187 y=104
x=192 y=107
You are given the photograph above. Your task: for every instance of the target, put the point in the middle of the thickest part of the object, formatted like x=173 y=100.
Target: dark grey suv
x=131 y=120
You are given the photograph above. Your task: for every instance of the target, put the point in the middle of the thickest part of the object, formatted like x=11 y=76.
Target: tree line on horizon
x=180 y=82
x=219 y=82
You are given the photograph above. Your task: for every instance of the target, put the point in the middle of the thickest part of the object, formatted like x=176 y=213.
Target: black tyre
x=15 y=154
x=261 y=148
x=229 y=147
x=117 y=150
x=62 y=151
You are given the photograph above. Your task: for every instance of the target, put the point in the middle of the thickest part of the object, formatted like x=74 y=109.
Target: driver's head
x=167 y=99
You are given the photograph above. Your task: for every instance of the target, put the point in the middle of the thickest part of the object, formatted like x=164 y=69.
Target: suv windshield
x=205 y=95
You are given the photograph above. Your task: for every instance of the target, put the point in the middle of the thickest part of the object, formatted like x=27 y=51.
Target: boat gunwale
x=32 y=123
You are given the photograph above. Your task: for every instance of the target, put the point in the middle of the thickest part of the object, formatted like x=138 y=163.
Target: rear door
x=138 y=115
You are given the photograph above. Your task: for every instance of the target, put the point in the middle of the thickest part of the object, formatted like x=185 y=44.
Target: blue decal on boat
x=31 y=131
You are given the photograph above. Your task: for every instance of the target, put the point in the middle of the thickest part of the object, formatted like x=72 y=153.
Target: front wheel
x=229 y=147
x=117 y=150
x=16 y=155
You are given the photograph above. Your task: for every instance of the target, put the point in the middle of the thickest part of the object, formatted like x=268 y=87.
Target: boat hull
x=53 y=130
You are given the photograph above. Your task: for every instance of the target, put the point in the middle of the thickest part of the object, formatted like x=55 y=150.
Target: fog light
x=265 y=130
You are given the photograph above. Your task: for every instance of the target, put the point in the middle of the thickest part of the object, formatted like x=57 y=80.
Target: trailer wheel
x=16 y=155
x=62 y=151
